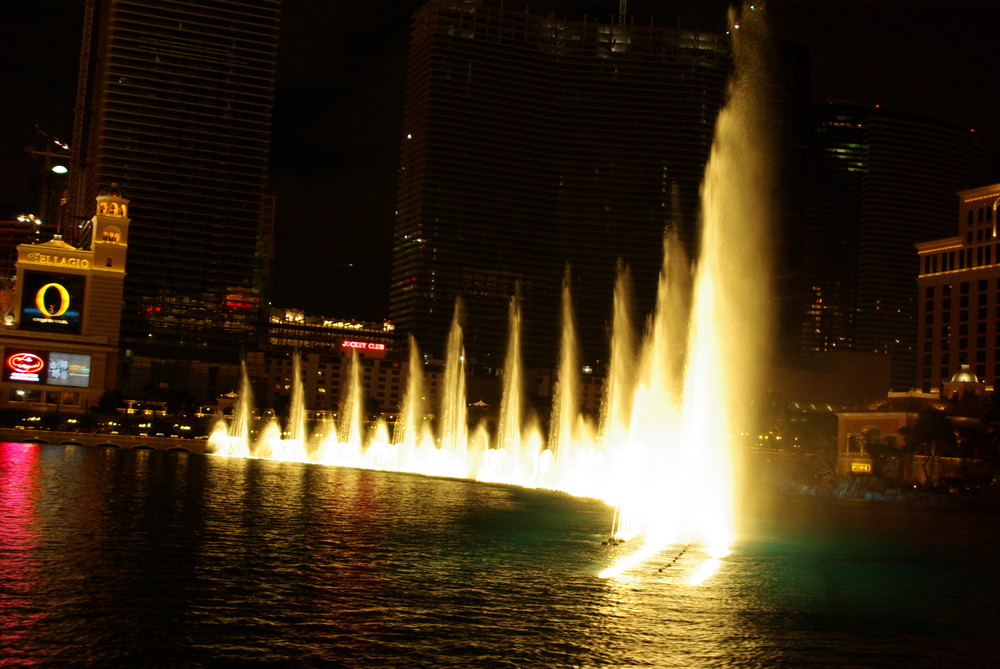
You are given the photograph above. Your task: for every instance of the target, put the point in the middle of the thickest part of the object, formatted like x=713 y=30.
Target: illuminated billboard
x=366 y=345
x=49 y=367
x=52 y=302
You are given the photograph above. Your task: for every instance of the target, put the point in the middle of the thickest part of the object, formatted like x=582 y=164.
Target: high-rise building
x=878 y=183
x=178 y=109
x=959 y=293
x=530 y=144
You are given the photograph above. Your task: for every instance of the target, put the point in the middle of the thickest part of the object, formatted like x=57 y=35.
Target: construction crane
x=77 y=178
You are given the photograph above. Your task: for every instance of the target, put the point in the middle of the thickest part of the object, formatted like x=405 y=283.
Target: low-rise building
x=879 y=436
x=59 y=334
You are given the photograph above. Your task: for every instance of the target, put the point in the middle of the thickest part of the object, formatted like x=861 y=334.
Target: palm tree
x=931 y=435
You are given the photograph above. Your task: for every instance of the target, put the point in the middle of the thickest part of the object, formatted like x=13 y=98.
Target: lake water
x=150 y=559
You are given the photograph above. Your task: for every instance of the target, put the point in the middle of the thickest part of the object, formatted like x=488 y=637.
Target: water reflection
x=166 y=559
x=19 y=577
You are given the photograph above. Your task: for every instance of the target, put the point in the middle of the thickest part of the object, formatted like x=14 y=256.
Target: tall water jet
x=508 y=437
x=644 y=465
x=453 y=427
x=663 y=355
x=351 y=416
x=411 y=417
x=726 y=340
x=566 y=396
x=292 y=442
x=295 y=428
x=509 y=427
x=243 y=409
x=619 y=381
x=731 y=286
x=234 y=439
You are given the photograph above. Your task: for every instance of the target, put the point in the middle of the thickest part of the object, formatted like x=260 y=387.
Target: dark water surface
x=149 y=559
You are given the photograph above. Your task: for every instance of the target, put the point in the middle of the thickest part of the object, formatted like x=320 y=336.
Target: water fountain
x=664 y=450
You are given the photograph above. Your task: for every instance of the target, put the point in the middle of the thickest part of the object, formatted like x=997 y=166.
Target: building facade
x=325 y=349
x=178 y=110
x=532 y=144
x=25 y=229
x=959 y=289
x=60 y=334
x=878 y=182
x=871 y=439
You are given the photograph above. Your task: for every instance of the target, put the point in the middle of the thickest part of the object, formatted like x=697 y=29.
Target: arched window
x=107 y=262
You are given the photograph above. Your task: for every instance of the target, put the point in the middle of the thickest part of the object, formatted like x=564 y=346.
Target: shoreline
x=100 y=440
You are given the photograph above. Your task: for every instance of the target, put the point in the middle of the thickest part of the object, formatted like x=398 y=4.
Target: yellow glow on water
x=704 y=571
x=709 y=559
x=630 y=561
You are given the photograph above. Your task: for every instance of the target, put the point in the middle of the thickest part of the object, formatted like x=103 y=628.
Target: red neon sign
x=24 y=366
x=25 y=363
x=368 y=345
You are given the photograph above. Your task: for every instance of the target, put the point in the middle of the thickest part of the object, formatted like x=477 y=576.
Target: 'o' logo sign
x=63 y=300
x=25 y=363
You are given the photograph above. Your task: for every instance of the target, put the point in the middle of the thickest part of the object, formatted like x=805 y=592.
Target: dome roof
x=111 y=191
x=964 y=375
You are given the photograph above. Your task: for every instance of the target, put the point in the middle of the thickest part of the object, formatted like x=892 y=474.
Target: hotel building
x=177 y=108
x=959 y=289
x=531 y=144
x=325 y=348
x=877 y=183
x=59 y=335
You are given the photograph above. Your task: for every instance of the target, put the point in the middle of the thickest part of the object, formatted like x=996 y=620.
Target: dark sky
x=338 y=106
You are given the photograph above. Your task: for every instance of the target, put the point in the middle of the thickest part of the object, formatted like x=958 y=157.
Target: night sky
x=339 y=100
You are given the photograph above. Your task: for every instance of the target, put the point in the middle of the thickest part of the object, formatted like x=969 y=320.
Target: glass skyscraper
x=178 y=112
x=531 y=144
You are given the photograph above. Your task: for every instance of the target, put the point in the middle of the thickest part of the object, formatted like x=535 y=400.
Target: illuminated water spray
x=689 y=487
x=663 y=452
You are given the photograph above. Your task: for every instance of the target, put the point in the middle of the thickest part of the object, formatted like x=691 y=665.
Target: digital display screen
x=48 y=367
x=69 y=369
x=52 y=302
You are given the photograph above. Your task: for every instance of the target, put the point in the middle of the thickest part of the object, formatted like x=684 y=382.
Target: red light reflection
x=19 y=575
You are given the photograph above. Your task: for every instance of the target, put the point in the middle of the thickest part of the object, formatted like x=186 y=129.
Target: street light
x=53 y=194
